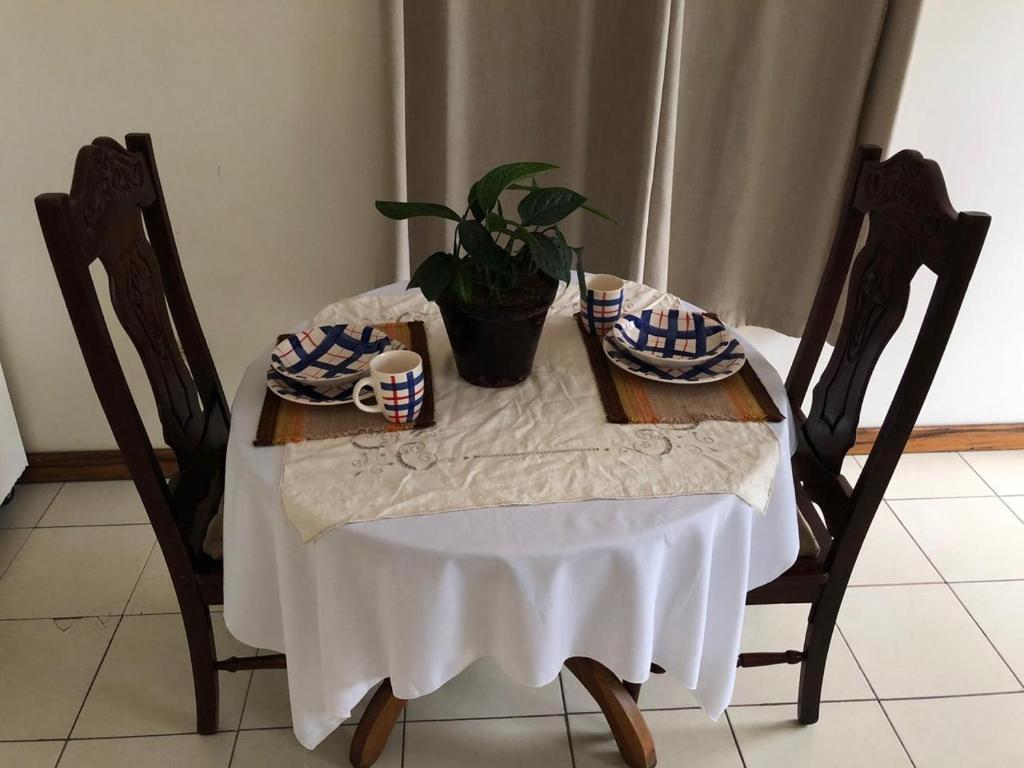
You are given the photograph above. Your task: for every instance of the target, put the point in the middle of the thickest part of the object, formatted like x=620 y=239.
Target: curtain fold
x=717 y=132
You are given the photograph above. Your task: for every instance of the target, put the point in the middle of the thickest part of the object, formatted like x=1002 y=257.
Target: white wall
x=271 y=125
x=962 y=105
x=12 y=452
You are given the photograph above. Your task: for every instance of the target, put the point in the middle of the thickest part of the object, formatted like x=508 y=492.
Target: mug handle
x=377 y=407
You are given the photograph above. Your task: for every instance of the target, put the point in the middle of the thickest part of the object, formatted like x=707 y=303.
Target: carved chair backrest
x=116 y=213
x=911 y=224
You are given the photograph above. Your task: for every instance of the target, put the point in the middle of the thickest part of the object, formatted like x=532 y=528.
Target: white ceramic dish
x=671 y=338
x=722 y=366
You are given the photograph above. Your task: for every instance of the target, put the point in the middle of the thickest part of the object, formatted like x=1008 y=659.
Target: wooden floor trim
x=957 y=437
x=68 y=466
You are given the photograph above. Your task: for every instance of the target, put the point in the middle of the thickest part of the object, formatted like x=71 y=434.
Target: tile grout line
x=735 y=739
x=241 y=713
x=981 y=477
x=565 y=715
x=30 y=531
x=897 y=734
x=989 y=486
x=401 y=755
x=106 y=651
x=947 y=585
x=878 y=701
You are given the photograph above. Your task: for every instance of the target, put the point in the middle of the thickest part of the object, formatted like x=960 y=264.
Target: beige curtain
x=717 y=132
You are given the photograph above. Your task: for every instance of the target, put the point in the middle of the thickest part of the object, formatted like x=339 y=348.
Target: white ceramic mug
x=601 y=303
x=398 y=385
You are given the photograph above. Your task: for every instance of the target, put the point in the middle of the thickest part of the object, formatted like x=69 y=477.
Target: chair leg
x=203 y=652
x=375 y=726
x=820 y=627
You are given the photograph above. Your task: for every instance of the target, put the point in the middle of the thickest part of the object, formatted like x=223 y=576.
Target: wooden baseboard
x=68 y=466
x=957 y=437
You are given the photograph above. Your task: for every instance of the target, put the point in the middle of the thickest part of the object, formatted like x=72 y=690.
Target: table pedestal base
x=620 y=709
x=616 y=701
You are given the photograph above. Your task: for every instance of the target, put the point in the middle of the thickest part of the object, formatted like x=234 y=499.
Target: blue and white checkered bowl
x=330 y=354
x=671 y=338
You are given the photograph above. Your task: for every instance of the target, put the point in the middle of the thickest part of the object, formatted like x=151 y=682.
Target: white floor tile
x=28 y=505
x=154 y=593
x=74 y=572
x=934 y=475
x=1003 y=470
x=890 y=556
x=967 y=539
x=189 y=751
x=682 y=739
x=851 y=470
x=45 y=670
x=30 y=754
x=145 y=684
x=267 y=704
x=1016 y=503
x=968 y=731
x=659 y=692
x=998 y=606
x=279 y=749
x=537 y=742
x=483 y=690
x=919 y=641
x=11 y=540
x=113 y=502
x=848 y=735
x=780 y=628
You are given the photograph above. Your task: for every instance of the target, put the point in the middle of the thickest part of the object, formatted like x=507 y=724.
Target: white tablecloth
x=418 y=599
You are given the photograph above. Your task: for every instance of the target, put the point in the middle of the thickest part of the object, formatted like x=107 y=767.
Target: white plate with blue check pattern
x=721 y=366
x=672 y=338
x=322 y=394
x=330 y=354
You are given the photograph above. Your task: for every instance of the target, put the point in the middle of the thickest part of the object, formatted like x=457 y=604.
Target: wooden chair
x=911 y=224
x=114 y=191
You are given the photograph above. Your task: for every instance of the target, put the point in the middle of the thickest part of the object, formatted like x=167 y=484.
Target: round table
x=416 y=600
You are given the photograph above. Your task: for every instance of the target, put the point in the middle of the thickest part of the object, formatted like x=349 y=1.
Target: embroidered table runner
x=629 y=399
x=282 y=421
x=545 y=440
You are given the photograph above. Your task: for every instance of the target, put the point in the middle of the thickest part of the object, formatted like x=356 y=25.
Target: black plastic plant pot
x=494 y=346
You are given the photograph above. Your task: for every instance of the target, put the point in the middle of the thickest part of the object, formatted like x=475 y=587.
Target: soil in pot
x=494 y=340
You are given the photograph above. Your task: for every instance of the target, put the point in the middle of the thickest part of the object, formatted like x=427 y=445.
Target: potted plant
x=495 y=286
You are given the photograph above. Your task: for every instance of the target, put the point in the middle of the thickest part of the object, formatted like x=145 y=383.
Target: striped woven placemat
x=282 y=421
x=629 y=399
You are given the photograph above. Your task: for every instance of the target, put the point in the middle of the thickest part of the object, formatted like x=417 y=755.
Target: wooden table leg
x=620 y=710
x=375 y=726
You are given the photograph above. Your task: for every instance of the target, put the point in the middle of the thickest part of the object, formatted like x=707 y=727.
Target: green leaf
x=484 y=194
x=461 y=286
x=581 y=276
x=495 y=223
x=549 y=256
x=597 y=212
x=474 y=206
x=548 y=205
x=478 y=243
x=434 y=274
x=401 y=211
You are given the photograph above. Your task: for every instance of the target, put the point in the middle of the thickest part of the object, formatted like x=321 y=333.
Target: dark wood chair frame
x=911 y=224
x=113 y=192
x=115 y=213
